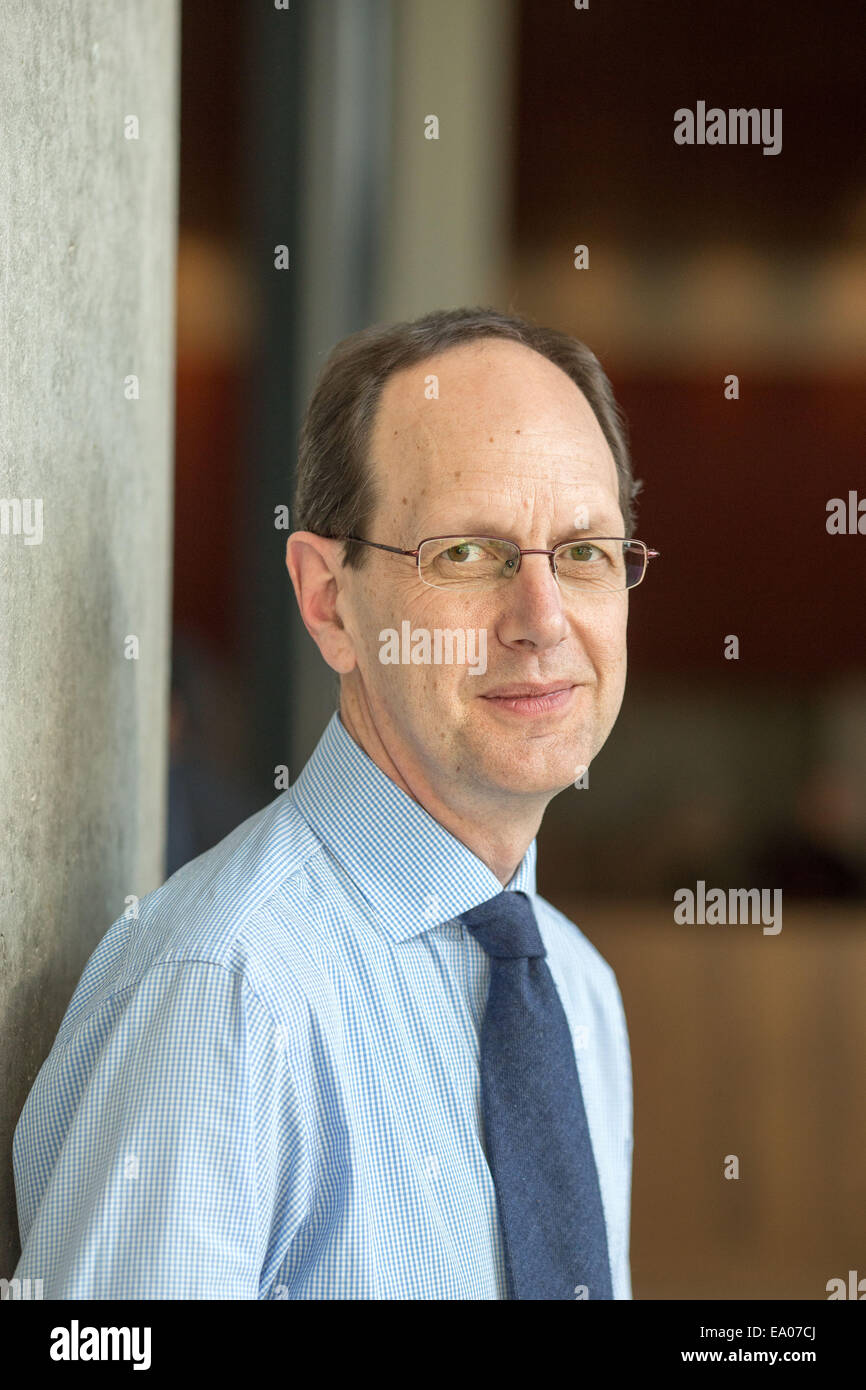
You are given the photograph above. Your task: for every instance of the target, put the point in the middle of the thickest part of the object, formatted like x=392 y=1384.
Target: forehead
x=489 y=416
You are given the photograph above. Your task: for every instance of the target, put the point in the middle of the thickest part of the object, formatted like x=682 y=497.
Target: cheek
x=377 y=629
x=605 y=641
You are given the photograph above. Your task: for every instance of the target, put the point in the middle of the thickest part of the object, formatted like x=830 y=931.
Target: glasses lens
x=601 y=564
x=635 y=562
x=466 y=562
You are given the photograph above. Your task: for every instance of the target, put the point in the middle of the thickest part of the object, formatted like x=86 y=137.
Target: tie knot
x=505 y=926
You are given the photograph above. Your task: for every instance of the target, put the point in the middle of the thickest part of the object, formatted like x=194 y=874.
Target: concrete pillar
x=445 y=240
x=88 y=203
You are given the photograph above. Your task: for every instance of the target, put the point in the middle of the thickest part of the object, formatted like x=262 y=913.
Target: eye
x=584 y=552
x=466 y=550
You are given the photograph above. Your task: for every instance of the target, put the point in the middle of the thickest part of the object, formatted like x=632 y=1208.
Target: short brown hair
x=334 y=494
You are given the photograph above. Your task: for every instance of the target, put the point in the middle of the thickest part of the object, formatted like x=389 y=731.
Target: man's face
x=511 y=448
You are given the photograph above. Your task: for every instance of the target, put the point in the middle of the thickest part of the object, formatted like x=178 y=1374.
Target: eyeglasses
x=602 y=563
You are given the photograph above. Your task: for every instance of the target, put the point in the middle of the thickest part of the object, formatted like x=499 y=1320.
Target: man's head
x=464 y=423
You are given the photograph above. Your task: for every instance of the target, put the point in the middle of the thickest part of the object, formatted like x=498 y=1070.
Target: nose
x=533 y=611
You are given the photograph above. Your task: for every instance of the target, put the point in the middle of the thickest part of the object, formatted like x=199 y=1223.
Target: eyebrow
x=605 y=527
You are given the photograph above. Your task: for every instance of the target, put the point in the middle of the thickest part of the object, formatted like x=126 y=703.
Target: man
x=350 y=1052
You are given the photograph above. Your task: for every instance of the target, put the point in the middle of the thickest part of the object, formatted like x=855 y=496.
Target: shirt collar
x=413 y=873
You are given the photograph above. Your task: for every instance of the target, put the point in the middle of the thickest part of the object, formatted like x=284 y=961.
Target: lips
x=526 y=691
x=529 y=701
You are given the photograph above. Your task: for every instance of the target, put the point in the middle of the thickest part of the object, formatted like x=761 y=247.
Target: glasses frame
x=649 y=554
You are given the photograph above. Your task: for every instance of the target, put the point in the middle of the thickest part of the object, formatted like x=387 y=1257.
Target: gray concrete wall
x=87 y=259
x=446 y=236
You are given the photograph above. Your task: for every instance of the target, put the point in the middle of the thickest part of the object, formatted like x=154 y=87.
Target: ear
x=316 y=571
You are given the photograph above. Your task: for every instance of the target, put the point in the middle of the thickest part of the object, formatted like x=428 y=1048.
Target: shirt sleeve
x=155 y=1141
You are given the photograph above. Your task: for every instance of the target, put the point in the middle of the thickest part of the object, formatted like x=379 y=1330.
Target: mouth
x=531 y=700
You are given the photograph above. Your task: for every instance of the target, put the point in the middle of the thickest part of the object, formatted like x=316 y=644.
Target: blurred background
x=304 y=129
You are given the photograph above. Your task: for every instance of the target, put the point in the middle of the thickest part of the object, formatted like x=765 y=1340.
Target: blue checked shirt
x=266 y=1085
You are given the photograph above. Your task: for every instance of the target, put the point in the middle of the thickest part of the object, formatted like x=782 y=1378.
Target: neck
x=499 y=845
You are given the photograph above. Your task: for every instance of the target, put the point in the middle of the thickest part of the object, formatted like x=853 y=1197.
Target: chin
x=531 y=773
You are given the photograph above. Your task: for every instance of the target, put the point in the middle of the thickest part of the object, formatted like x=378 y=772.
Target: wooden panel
x=751 y=1045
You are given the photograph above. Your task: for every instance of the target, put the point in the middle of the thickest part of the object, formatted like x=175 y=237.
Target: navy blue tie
x=538 y=1142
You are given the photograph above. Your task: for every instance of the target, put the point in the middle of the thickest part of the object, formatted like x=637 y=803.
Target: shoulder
x=211 y=912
